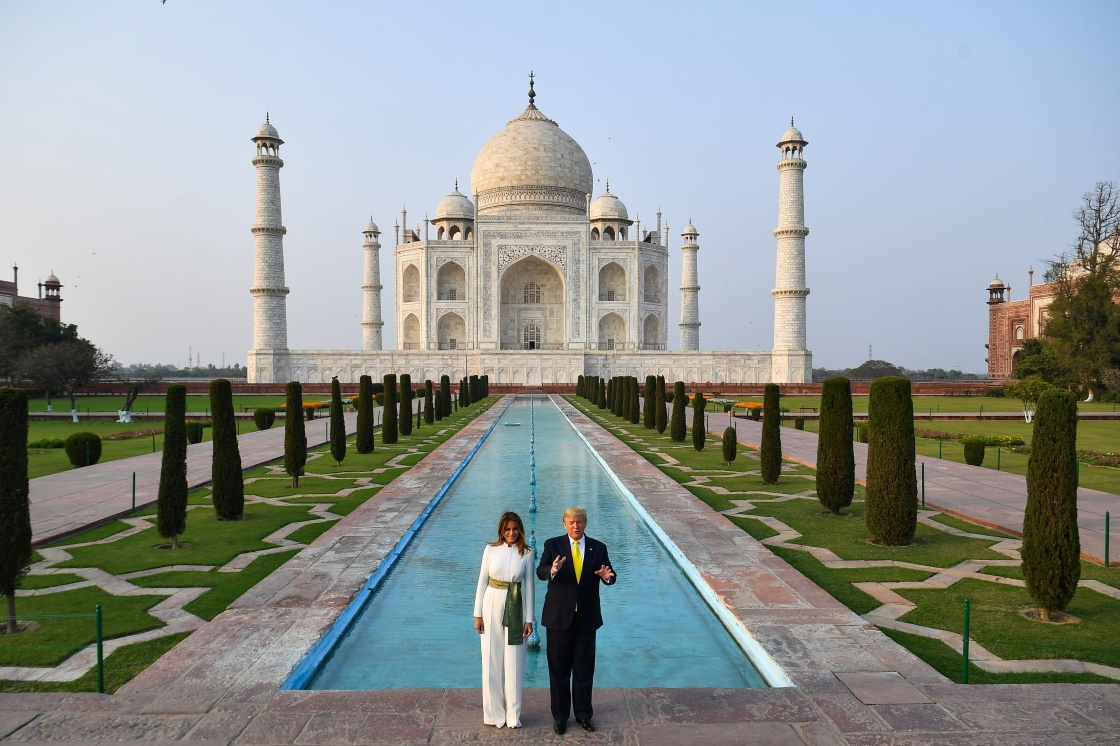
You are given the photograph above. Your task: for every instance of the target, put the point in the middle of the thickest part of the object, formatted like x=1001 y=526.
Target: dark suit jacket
x=563 y=591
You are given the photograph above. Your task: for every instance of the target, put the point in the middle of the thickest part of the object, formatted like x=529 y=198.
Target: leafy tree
x=730 y=445
x=660 y=419
x=363 y=439
x=23 y=329
x=836 y=462
x=699 y=420
x=680 y=401
x=405 y=416
x=429 y=402
x=891 y=505
x=295 y=434
x=15 y=503
x=171 y=502
x=1051 y=544
x=1028 y=390
x=228 y=492
x=389 y=431
x=133 y=388
x=1036 y=359
x=66 y=368
x=875 y=369
x=338 y=424
x=770 y=453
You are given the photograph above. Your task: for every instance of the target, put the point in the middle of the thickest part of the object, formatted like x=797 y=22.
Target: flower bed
x=130 y=434
x=1086 y=456
x=1002 y=441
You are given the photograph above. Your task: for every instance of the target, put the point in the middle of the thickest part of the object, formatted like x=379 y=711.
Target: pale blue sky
x=947 y=142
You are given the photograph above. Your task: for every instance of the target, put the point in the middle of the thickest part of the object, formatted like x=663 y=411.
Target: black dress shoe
x=559 y=726
x=587 y=725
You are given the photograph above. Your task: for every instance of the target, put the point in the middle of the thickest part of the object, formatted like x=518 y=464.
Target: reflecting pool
x=416 y=631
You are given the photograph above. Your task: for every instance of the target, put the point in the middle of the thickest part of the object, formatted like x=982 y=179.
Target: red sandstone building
x=1012 y=322
x=49 y=302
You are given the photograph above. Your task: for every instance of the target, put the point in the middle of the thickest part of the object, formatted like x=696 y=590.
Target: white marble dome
x=532 y=152
x=996 y=283
x=267 y=130
x=371 y=227
x=455 y=206
x=792 y=134
x=608 y=207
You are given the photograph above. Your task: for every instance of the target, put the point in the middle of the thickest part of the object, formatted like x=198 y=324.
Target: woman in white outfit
x=503 y=616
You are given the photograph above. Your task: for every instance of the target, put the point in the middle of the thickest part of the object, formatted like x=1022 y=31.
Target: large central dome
x=532 y=163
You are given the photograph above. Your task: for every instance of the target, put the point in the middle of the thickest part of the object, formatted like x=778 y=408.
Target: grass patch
x=94 y=534
x=218 y=599
x=310 y=532
x=838 y=583
x=38 y=582
x=972 y=528
x=1089 y=571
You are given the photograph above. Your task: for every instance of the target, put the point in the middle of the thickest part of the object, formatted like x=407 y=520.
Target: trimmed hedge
x=445 y=393
x=404 y=417
x=677 y=431
x=295 y=435
x=891 y=506
x=226 y=477
x=363 y=438
x=730 y=445
x=660 y=415
x=171 y=501
x=770 y=453
x=836 y=461
x=338 y=424
x=389 y=431
x=973 y=451
x=83 y=449
x=264 y=417
x=429 y=403
x=699 y=420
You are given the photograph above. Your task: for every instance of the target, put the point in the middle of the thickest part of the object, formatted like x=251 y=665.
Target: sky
x=948 y=142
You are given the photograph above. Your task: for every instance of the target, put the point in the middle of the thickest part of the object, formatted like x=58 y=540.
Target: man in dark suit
x=574 y=566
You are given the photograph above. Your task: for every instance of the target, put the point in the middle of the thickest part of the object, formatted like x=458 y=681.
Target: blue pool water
x=416 y=631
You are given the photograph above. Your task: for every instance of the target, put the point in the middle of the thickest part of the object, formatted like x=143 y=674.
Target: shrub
x=47 y=443
x=228 y=483
x=1051 y=545
x=429 y=402
x=861 y=431
x=338 y=424
x=15 y=502
x=891 y=507
x=756 y=414
x=649 y=403
x=699 y=421
x=973 y=451
x=195 y=430
x=389 y=432
x=379 y=398
x=295 y=435
x=660 y=418
x=836 y=462
x=677 y=430
x=171 y=501
x=996 y=392
x=799 y=423
x=730 y=445
x=363 y=438
x=770 y=453
x=83 y=449
x=264 y=417
x=404 y=418
x=669 y=397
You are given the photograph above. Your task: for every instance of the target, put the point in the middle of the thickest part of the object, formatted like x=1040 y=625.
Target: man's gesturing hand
x=605 y=573
x=557 y=564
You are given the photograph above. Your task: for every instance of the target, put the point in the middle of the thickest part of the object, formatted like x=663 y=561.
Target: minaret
x=371 y=290
x=789 y=288
x=690 y=291
x=270 y=312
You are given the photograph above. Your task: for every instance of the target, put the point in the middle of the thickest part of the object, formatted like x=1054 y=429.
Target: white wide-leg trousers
x=501 y=704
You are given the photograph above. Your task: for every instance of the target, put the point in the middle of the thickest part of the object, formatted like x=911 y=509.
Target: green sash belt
x=514 y=617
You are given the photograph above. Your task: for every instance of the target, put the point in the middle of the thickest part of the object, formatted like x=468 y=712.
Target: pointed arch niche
x=532 y=296
x=612 y=282
x=612 y=332
x=452 y=332
x=451 y=282
x=411 y=329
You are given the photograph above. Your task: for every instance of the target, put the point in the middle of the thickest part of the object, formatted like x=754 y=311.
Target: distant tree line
x=137 y=370
x=873 y=369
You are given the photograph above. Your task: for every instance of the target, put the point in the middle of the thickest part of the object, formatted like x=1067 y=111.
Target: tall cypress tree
x=429 y=402
x=770 y=453
x=836 y=461
x=610 y=394
x=15 y=503
x=602 y=401
x=171 y=502
x=363 y=440
x=464 y=395
x=476 y=391
x=338 y=424
x=228 y=492
x=295 y=434
x=635 y=402
x=389 y=432
x=660 y=418
x=405 y=416
x=678 y=430
x=445 y=393
x=580 y=391
x=649 y=403
x=891 y=505
x=620 y=397
x=699 y=421
x=484 y=382
x=1051 y=545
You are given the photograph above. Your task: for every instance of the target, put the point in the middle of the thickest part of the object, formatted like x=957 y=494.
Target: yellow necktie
x=577 y=560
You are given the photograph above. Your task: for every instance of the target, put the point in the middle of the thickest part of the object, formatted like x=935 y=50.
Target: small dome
x=996 y=283
x=371 y=227
x=792 y=134
x=608 y=207
x=51 y=280
x=267 y=130
x=690 y=230
x=455 y=206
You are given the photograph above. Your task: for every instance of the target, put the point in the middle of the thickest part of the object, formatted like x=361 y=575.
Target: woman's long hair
x=508 y=516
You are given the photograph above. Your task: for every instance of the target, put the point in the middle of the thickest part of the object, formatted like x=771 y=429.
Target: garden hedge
x=891 y=506
x=770 y=453
x=83 y=449
x=836 y=462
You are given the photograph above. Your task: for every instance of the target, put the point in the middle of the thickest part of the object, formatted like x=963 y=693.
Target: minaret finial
x=456 y=185
x=532 y=93
x=791 y=121
x=608 y=186
x=266 y=118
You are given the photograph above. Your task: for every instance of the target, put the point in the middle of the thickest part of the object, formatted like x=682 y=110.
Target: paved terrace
x=853 y=684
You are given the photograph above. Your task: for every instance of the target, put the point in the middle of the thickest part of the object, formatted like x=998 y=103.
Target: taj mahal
x=532 y=282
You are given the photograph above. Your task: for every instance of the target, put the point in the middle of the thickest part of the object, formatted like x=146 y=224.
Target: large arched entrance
x=532 y=306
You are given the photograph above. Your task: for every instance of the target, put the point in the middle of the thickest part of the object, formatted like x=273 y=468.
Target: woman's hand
x=528 y=629
x=478 y=625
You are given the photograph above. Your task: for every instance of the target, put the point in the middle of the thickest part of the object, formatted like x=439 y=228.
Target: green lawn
x=996 y=622
x=149 y=403
x=926 y=404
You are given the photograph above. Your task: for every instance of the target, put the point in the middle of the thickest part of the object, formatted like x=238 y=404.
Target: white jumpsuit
x=502 y=705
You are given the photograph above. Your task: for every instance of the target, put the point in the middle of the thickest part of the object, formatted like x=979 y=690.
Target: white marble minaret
x=371 y=290
x=789 y=288
x=690 y=291
x=270 y=312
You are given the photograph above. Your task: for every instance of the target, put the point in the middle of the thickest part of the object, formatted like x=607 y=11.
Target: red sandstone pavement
x=993 y=498
x=853 y=685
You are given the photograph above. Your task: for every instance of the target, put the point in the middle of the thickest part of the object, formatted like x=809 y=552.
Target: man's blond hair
x=575 y=511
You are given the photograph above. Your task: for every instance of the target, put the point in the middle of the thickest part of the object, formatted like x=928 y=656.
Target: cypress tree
x=677 y=432
x=635 y=403
x=338 y=424
x=730 y=445
x=295 y=434
x=619 y=395
x=389 y=432
x=228 y=492
x=476 y=392
x=891 y=505
x=171 y=502
x=649 y=403
x=485 y=381
x=464 y=393
x=602 y=394
x=770 y=453
x=1051 y=544
x=445 y=394
x=15 y=502
x=623 y=398
x=660 y=419
x=610 y=394
x=699 y=421
x=363 y=440
x=429 y=402
x=580 y=387
x=836 y=461
x=404 y=420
